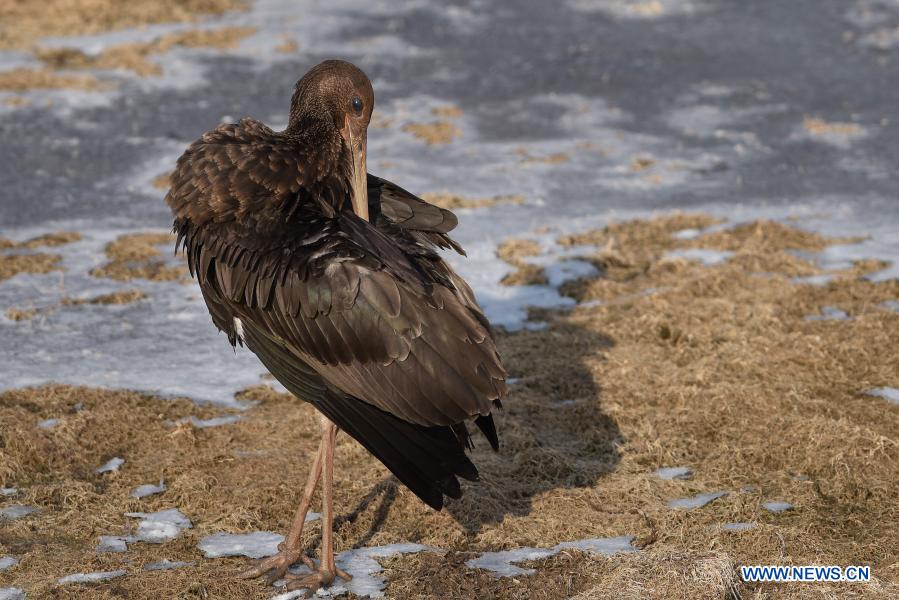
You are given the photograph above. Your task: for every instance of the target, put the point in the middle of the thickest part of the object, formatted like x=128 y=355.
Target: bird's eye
x=357 y=104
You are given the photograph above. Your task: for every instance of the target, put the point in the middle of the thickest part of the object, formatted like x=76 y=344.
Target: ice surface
x=819 y=280
x=674 y=472
x=148 y=489
x=258 y=544
x=159 y=527
x=738 y=526
x=114 y=543
x=94 y=577
x=16 y=511
x=7 y=561
x=697 y=501
x=48 y=423
x=110 y=465
x=829 y=313
x=12 y=593
x=8 y=491
x=501 y=564
x=777 y=506
x=706 y=256
x=213 y=422
x=887 y=393
x=166 y=564
x=639 y=9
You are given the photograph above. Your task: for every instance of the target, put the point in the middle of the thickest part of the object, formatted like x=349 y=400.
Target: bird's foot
x=275 y=567
x=320 y=577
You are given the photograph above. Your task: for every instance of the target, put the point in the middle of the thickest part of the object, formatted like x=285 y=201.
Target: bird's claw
x=317 y=579
x=275 y=567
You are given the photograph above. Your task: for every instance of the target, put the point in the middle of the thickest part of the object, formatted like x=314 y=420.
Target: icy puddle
x=501 y=563
x=154 y=528
x=697 y=501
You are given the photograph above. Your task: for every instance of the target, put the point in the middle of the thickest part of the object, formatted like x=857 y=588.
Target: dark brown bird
x=331 y=276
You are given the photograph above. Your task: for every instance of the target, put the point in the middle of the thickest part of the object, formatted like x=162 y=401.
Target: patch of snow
x=887 y=393
x=829 y=313
x=738 y=526
x=500 y=564
x=257 y=544
x=818 y=280
x=114 y=543
x=7 y=561
x=363 y=565
x=159 y=527
x=638 y=9
x=166 y=564
x=674 y=473
x=8 y=491
x=48 y=423
x=212 y=422
x=777 y=506
x=697 y=501
x=16 y=511
x=12 y=593
x=892 y=305
x=110 y=465
x=94 y=577
x=705 y=256
x=148 y=489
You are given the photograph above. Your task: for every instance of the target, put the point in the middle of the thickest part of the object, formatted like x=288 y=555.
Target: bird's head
x=338 y=92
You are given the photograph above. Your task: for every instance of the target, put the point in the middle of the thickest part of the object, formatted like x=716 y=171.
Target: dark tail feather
x=426 y=459
x=485 y=424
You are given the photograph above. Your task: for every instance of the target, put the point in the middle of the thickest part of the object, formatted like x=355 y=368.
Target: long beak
x=360 y=174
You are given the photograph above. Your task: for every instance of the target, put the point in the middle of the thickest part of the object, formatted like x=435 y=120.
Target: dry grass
x=120 y=297
x=25 y=22
x=13 y=264
x=715 y=368
x=453 y=202
x=816 y=126
x=162 y=181
x=20 y=80
x=447 y=112
x=514 y=252
x=135 y=56
x=135 y=256
x=437 y=132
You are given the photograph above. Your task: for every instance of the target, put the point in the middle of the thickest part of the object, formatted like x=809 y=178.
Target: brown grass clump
x=120 y=297
x=21 y=314
x=513 y=252
x=817 y=126
x=288 y=46
x=452 y=201
x=134 y=256
x=135 y=57
x=23 y=79
x=447 y=112
x=162 y=181
x=550 y=159
x=26 y=22
x=437 y=132
x=53 y=239
x=13 y=264
x=716 y=369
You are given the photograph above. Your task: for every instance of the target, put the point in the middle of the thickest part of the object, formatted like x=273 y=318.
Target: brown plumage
x=331 y=277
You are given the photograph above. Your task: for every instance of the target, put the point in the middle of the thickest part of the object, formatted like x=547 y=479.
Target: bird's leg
x=291 y=550
x=327 y=569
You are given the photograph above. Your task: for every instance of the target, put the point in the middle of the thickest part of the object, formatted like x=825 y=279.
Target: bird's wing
x=427 y=223
x=369 y=319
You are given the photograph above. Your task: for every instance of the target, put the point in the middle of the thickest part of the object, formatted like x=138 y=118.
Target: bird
x=334 y=278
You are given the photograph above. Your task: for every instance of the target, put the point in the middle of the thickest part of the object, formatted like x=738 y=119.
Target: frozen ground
x=742 y=110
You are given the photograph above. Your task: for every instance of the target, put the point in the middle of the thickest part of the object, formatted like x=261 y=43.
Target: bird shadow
x=553 y=431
